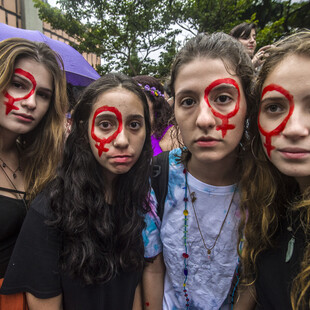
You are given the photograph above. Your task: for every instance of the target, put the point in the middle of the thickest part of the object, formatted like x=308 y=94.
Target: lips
x=294 y=152
x=207 y=141
x=25 y=117
x=121 y=159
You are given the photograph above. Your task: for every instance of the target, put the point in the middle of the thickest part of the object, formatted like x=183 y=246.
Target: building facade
x=23 y=14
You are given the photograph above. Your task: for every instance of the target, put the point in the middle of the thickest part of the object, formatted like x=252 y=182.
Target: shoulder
x=41 y=204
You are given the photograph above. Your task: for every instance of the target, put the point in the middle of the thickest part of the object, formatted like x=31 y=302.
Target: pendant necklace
x=4 y=165
x=13 y=185
x=291 y=242
x=193 y=199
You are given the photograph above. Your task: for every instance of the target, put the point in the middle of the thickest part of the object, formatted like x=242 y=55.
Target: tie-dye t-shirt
x=209 y=276
x=151 y=237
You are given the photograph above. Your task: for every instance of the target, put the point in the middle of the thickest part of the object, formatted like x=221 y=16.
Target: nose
x=122 y=140
x=297 y=126
x=30 y=102
x=252 y=40
x=205 y=118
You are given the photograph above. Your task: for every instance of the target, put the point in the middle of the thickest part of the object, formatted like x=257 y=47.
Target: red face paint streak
x=10 y=103
x=102 y=142
x=225 y=118
x=147 y=304
x=280 y=128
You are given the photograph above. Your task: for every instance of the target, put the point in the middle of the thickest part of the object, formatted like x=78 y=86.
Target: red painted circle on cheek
x=11 y=100
x=225 y=118
x=100 y=143
x=279 y=128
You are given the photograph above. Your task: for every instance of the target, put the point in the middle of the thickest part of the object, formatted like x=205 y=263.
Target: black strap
x=159 y=179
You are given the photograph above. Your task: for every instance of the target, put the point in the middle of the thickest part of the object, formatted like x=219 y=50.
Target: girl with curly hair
x=276 y=185
x=33 y=103
x=81 y=245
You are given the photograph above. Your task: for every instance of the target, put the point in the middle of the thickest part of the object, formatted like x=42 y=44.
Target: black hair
x=100 y=239
x=242 y=31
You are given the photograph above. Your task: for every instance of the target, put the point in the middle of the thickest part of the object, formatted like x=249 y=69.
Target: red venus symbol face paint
x=281 y=126
x=10 y=99
x=100 y=145
x=224 y=117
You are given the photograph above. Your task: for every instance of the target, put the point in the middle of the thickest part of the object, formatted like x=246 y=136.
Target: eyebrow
x=135 y=116
x=185 y=92
x=224 y=86
x=111 y=115
x=274 y=99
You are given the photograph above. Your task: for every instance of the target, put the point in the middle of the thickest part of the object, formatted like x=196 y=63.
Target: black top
x=12 y=214
x=275 y=276
x=34 y=268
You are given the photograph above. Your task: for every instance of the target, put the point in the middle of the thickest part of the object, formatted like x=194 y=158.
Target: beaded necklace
x=185 y=254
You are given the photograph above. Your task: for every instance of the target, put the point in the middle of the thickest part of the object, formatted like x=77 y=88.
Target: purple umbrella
x=78 y=71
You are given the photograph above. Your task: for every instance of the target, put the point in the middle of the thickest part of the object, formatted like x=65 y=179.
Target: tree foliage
x=124 y=33
x=140 y=36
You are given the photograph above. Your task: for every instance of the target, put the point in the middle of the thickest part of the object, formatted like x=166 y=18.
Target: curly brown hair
x=270 y=193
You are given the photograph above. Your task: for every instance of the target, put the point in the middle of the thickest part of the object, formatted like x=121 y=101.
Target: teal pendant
x=290 y=249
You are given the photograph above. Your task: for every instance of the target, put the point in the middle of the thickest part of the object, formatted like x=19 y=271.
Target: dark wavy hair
x=162 y=112
x=100 y=239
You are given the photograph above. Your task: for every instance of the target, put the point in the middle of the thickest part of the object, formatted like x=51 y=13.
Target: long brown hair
x=40 y=148
x=269 y=194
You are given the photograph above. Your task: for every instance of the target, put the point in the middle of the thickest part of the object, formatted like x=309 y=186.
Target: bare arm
x=137 y=302
x=34 y=303
x=246 y=299
x=153 y=284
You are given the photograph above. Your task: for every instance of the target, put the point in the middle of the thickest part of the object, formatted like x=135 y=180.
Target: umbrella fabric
x=78 y=71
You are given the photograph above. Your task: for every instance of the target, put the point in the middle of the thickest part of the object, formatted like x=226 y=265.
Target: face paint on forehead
x=100 y=143
x=10 y=99
x=280 y=128
x=225 y=118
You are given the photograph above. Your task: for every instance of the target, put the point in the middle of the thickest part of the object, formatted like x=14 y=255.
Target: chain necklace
x=193 y=199
x=185 y=254
x=4 y=165
x=17 y=191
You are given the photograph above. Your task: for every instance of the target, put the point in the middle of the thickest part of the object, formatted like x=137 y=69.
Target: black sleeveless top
x=12 y=214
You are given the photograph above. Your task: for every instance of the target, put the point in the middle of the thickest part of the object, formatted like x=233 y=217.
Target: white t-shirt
x=209 y=276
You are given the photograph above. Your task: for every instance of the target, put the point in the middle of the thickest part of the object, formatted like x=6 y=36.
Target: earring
x=252 y=142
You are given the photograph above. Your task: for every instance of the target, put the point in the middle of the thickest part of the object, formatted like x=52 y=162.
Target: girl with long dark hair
x=81 y=245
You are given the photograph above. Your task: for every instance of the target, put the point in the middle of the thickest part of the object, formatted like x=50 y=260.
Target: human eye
x=44 y=95
x=187 y=102
x=105 y=125
x=135 y=125
x=223 y=99
x=17 y=84
x=273 y=109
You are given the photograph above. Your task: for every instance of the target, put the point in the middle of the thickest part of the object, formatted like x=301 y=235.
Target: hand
x=259 y=58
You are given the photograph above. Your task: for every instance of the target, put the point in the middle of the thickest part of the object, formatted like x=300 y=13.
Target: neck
x=304 y=183
x=7 y=141
x=220 y=173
